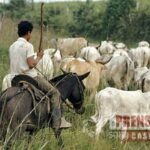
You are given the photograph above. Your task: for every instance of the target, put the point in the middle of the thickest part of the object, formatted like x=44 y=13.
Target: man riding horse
x=22 y=61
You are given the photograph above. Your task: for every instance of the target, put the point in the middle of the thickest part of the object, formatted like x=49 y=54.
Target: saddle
x=39 y=97
x=18 y=79
x=27 y=82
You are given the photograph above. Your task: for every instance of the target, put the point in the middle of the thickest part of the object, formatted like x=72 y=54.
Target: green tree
x=16 y=8
x=116 y=19
x=86 y=21
x=141 y=26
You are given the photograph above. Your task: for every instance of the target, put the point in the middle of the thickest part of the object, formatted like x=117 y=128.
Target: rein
x=40 y=72
x=69 y=106
x=65 y=101
x=62 y=80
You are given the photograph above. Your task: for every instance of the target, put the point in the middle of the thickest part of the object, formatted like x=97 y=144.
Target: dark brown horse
x=20 y=113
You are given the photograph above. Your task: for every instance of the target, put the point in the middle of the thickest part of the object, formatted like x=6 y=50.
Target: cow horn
x=53 y=53
x=64 y=72
x=81 y=77
x=85 y=59
x=56 y=42
x=102 y=61
x=97 y=47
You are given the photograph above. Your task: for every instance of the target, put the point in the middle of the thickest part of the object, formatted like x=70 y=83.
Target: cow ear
x=81 y=77
x=75 y=55
x=64 y=72
x=98 y=46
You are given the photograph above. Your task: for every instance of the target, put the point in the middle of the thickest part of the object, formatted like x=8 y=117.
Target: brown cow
x=81 y=66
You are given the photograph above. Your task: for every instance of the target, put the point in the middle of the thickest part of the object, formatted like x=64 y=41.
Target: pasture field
x=80 y=136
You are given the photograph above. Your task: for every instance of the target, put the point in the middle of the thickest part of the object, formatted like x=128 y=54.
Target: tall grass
x=80 y=136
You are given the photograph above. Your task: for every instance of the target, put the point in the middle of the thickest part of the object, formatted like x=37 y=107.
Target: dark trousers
x=55 y=99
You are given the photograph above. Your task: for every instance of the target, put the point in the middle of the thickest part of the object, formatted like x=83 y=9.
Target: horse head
x=71 y=87
x=77 y=95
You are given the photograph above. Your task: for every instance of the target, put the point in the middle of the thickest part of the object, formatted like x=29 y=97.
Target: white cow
x=89 y=53
x=136 y=57
x=145 y=81
x=121 y=52
x=138 y=76
x=55 y=54
x=107 y=47
x=141 y=55
x=45 y=65
x=56 y=58
x=143 y=44
x=6 y=81
x=110 y=102
x=120 y=69
x=121 y=46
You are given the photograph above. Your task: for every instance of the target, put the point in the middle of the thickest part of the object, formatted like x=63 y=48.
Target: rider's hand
x=40 y=54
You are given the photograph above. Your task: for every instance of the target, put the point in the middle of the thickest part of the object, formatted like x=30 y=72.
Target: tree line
x=104 y=20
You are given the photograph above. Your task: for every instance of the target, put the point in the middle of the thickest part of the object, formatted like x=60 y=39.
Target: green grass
x=3 y=64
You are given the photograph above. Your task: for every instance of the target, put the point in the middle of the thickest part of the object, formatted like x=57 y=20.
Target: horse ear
x=64 y=72
x=81 y=77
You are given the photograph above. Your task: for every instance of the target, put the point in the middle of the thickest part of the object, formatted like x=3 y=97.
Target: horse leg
x=2 y=131
x=14 y=132
x=57 y=133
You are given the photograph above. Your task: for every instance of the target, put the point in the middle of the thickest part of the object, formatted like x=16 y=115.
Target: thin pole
x=41 y=34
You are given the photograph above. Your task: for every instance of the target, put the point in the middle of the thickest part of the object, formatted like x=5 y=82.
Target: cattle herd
x=112 y=64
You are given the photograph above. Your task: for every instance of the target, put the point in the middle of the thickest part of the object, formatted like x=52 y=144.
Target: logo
x=135 y=127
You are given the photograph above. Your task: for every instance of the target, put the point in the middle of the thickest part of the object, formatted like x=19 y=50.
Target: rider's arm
x=30 y=57
x=33 y=62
